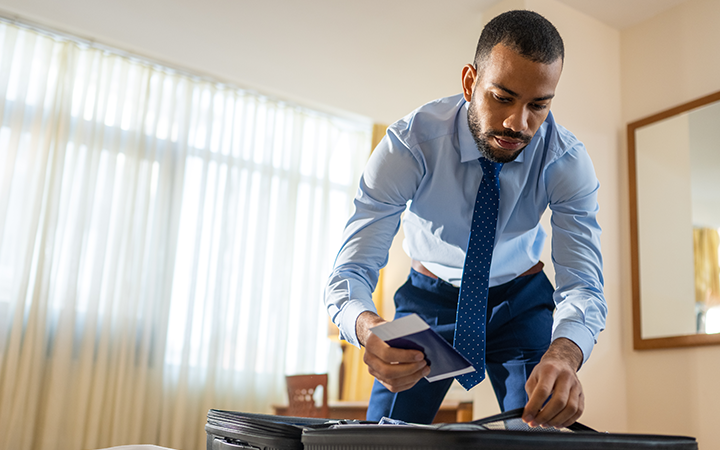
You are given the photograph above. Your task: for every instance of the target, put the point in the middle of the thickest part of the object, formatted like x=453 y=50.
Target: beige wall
x=666 y=61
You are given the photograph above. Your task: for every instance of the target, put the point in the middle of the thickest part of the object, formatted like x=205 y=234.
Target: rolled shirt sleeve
x=581 y=308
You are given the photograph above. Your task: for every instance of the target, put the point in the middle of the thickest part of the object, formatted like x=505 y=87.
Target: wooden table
x=450 y=411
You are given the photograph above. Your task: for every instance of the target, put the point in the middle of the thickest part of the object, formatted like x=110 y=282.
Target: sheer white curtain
x=164 y=242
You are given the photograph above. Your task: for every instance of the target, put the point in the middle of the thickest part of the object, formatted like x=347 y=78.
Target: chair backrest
x=300 y=395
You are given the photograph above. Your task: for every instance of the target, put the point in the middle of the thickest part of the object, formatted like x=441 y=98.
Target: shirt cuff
x=579 y=334
x=348 y=318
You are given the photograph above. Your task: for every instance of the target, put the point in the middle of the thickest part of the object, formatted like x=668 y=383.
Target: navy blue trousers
x=519 y=325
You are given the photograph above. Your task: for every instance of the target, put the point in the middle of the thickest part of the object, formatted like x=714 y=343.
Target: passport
x=411 y=332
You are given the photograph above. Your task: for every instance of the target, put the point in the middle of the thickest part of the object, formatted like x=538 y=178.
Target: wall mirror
x=674 y=168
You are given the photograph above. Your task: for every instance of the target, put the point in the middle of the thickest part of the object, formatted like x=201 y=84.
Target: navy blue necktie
x=472 y=304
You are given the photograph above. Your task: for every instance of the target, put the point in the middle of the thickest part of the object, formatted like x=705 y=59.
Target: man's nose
x=517 y=120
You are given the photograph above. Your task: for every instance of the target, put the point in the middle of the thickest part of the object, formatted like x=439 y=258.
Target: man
x=431 y=162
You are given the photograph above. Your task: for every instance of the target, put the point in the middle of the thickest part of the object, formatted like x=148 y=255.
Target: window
x=156 y=225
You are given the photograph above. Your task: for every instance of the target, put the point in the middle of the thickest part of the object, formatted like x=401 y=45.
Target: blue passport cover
x=411 y=332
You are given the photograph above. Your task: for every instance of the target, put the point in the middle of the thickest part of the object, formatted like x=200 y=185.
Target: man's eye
x=502 y=99
x=538 y=106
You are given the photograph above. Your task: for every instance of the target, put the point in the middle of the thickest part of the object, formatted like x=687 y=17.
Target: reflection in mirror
x=705 y=195
x=675 y=215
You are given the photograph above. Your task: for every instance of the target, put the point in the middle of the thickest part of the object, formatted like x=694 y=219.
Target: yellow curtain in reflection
x=357 y=382
x=707 y=269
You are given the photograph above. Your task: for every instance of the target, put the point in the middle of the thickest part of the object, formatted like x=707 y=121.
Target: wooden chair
x=300 y=390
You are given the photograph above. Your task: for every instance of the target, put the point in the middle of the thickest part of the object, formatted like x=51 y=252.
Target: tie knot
x=489 y=167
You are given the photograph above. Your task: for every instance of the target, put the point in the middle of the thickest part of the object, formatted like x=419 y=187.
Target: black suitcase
x=228 y=430
x=506 y=431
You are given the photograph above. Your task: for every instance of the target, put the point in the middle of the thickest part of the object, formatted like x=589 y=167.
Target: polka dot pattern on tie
x=472 y=304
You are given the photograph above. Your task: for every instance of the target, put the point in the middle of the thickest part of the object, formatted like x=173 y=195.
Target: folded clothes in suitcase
x=506 y=431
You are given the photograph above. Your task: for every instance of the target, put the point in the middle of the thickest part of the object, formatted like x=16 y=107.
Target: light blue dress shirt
x=427 y=166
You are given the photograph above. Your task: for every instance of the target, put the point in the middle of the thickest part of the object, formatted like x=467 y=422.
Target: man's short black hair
x=526 y=32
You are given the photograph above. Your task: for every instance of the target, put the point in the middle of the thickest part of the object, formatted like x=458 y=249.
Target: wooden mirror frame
x=672 y=341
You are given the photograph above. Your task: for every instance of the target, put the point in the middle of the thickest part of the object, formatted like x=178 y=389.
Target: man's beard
x=482 y=139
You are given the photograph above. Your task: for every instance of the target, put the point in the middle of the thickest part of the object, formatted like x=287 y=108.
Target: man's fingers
x=562 y=409
x=573 y=410
x=383 y=368
x=568 y=412
x=403 y=383
x=397 y=369
x=396 y=376
x=537 y=395
x=380 y=349
x=530 y=385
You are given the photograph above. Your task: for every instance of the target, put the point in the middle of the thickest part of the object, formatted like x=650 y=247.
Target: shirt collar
x=468 y=147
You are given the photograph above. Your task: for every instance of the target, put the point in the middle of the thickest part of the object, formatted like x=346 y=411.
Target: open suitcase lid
x=504 y=431
x=227 y=429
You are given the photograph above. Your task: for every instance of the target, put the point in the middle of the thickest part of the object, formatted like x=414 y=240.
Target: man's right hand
x=397 y=369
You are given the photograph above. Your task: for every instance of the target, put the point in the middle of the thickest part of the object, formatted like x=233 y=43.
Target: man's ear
x=469 y=76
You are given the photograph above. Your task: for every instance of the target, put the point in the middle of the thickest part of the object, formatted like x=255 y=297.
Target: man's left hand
x=556 y=375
